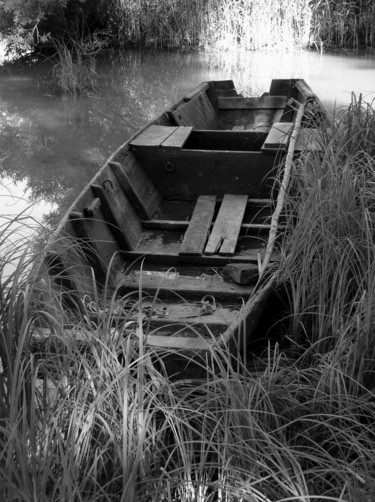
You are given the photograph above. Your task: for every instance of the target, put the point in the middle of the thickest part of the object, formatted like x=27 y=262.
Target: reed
x=75 y=71
x=90 y=418
x=251 y=25
x=343 y=23
x=328 y=254
x=224 y=24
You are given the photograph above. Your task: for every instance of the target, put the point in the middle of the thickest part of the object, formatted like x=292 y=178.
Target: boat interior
x=182 y=211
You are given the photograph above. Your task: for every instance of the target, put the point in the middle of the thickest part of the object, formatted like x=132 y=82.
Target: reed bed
x=343 y=23
x=328 y=255
x=224 y=24
x=250 y=25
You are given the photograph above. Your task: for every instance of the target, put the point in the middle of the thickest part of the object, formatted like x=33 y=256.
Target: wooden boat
x=179 y=218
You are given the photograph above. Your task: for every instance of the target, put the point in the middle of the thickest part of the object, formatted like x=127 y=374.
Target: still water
x=51 y=144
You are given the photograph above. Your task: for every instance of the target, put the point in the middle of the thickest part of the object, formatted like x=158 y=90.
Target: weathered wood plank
x=241 y=273
x=240 y=334
x=305 y=90
x=179 y=343
x=95 y=241
x=154 y=135
x=240 y=140
x=253 y=119
x=178 y=138
x=181 y=226
x=239 y=103
x=282 y=87
x=224 y=235
x=139 y=189
x=169 y=225
x=60 y=272
x=197 y=113
x=170 y=258
x=240 y=172
x=202 y=88
x=185 y=286
x=196 y=235
x=223 y=88
x=278 y=137
x=120 y=217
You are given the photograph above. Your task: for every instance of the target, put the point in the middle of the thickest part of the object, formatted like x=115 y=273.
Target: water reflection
x=54 y=144
x=20 y=222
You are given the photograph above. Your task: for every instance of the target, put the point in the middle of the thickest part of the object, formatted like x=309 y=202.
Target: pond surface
x=51 y=145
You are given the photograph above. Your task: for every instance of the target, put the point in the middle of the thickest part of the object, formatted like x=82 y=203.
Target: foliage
x=20 y=21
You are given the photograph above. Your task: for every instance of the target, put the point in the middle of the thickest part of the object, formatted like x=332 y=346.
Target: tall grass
x=75 y=71
x=329 y=252
x=343 y=23
x=254 y=24
x=250 y=25
x=85 y=414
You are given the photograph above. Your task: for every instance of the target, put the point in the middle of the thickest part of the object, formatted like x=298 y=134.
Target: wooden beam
x=119 y=214
x=138 y=188
x=154 y=135
x=181 y=226
x=202 y=88
x=239 y=103
x=198 y=113
x=170 y=259
x=94 y=248
x=196 y=235
x=168 y=286
x=240 y=172
x=179 y=343
x=224 y=235
x=278 y=137
x=178 y=138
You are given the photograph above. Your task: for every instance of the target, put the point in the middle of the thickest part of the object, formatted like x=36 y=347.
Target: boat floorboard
x=173 y=284
x=258 y=211
x=169 y=242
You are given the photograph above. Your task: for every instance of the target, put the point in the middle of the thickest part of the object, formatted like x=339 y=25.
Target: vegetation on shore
x=250 y=24
x=92 y=418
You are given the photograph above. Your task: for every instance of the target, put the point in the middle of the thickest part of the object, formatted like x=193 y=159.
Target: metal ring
x=169 y=166
x=107 y=182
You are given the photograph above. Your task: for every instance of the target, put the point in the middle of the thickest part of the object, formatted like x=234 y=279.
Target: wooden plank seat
x=157 y=136
x=224 y=235
x=197 y=232
x=278 y=137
